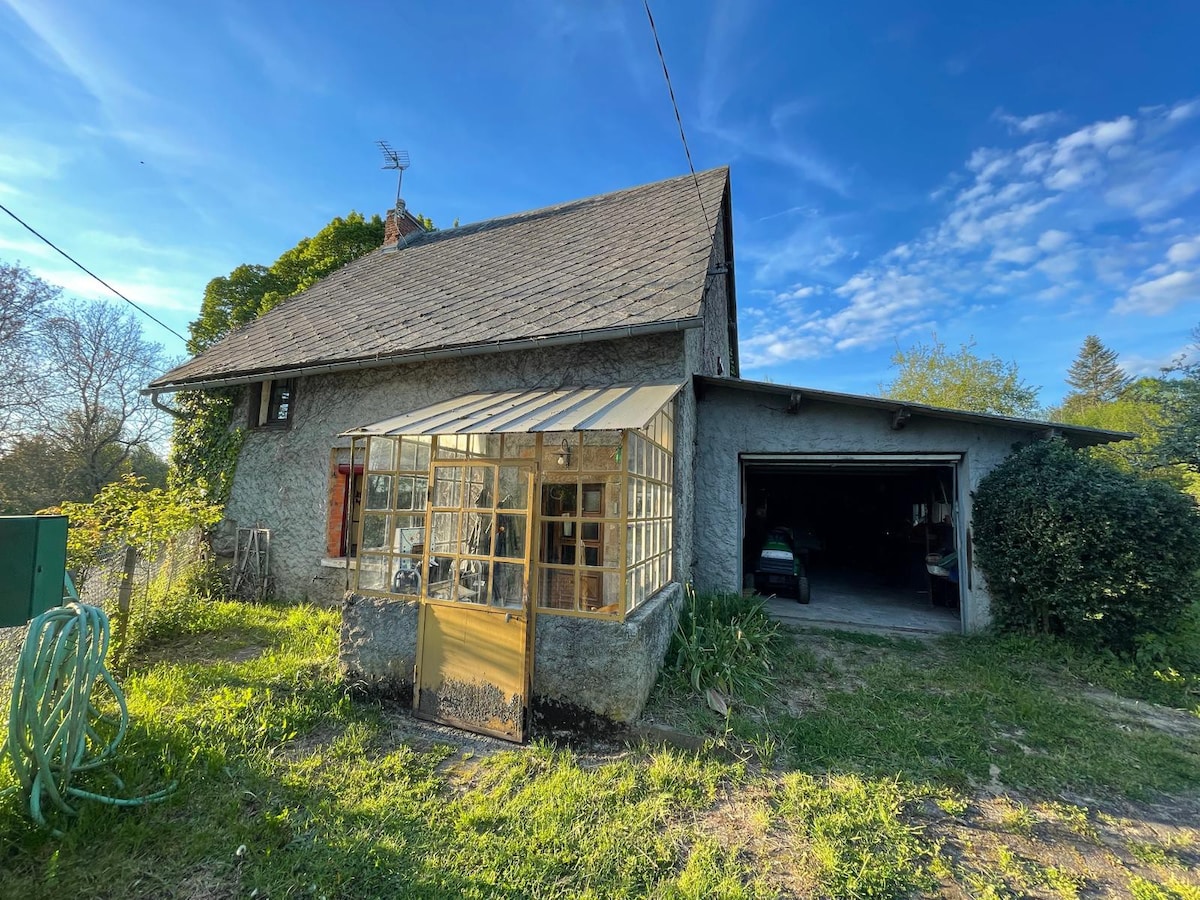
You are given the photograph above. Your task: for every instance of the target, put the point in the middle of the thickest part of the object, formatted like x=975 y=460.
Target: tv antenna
x=398 y=160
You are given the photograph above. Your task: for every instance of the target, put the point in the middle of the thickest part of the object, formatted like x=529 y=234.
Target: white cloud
x=1021 y=255
x=1184 y=251
x=1029 y=124
x=1184 y=110
x=799 y=292
x=1052 y=239
x=1161 y=295
x=1097 y=220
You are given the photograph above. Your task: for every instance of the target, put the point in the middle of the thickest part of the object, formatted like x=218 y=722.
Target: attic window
x=272 y=402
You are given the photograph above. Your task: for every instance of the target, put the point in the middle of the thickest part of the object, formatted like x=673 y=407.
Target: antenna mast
x=398 y=160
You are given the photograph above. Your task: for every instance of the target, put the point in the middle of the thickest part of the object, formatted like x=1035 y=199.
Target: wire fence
x=148 y=597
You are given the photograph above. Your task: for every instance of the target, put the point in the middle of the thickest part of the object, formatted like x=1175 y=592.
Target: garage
x=871 y=537
x=870 y=493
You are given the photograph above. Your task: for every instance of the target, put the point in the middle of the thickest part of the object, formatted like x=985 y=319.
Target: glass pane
x=441 y=578
x=611 y=593
x=372 y=572
x=591 y=591
x=379 y=492
x=447 y=486
x=520 y=446
x=556 y=589
x=601 y=451
x=479 y=487
x=473 y=581
x=408 y=454
x=451 y=446
x=420 y=492
x=560 y=499
x=510 y=536
x=382 y=454
x=404 y=492
x=592 y=499
x=486 y=446
x=610 y=548
x=406 y=577
x=514 y=488
x=477 y=534
x=375 y=532
x=558 y=543
x=508 y=585
x=410 y=535
x=444 y=532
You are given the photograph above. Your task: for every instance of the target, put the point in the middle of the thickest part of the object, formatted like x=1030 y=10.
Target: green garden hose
x=52 y=720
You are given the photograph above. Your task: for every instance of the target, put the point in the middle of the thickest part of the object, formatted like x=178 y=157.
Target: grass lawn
x=874 y=768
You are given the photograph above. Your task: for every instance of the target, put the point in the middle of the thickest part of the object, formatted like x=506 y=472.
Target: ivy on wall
x=206 y=443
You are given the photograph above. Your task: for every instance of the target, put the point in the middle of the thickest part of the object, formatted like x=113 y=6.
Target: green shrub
x=1074 y=547
x=725 y=642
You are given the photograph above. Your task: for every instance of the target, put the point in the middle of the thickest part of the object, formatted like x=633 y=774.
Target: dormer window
x=272 y=403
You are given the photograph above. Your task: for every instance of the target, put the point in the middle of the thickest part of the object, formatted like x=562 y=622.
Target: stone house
x=505 y=446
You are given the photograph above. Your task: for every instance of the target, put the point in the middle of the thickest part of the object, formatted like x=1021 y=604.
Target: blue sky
x=1023 y=173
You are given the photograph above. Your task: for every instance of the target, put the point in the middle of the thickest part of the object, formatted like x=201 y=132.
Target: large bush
x=1072 y=546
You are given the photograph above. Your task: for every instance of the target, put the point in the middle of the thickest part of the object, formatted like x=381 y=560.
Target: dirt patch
x=1125 y=711
x=1007 y=846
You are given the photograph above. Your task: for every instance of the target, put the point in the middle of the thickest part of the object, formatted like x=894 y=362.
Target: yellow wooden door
x=474 y=637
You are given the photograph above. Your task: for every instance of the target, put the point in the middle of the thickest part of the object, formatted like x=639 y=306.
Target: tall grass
x=725 y=642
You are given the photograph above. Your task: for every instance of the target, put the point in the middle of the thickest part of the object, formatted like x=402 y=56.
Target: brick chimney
x=398 y=225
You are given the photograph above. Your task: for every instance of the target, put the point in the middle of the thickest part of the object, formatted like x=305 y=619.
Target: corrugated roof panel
x=565 y=409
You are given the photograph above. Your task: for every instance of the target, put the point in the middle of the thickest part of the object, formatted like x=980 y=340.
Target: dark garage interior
x=872 y=538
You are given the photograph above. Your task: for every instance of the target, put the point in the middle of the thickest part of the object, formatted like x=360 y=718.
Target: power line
x=49 y=243
x=678 y=118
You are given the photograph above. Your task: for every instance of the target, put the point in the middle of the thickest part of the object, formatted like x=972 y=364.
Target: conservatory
x=493 y=509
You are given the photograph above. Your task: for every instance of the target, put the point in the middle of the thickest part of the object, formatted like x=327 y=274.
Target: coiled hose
x=52 y=720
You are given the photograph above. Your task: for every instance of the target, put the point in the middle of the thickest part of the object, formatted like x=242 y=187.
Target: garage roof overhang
x=607 y=408
x=901 y=411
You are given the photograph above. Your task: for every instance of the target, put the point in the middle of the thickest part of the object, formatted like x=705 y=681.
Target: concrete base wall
x=377 y=648
x=581 y=664
x=606 y=668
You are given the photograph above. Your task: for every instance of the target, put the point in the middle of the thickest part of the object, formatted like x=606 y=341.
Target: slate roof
x=633 y=258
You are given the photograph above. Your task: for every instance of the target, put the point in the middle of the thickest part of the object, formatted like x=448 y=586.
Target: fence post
x=124 y=594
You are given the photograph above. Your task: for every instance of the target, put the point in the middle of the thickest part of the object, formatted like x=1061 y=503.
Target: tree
x=1095 y=375
x=929 y=373
x=96 y=361
x=1180 y=439
x=205 y=445
x=23 y=299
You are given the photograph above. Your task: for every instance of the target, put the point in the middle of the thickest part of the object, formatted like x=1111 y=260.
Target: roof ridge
x=566 y=204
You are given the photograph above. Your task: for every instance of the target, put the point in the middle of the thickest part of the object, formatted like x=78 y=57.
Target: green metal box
x=33 y=563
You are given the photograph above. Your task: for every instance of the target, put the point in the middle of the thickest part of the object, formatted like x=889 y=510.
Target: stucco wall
x=707 y=352
x=732 y=422
x=282 y=478
x=377 y=648
x=606 y=668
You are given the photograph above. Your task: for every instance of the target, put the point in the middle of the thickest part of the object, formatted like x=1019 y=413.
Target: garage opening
x=869 y=542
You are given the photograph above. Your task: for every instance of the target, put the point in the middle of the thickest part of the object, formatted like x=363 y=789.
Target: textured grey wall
x=733 y=421
x=607 y=668
x=378 y=644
